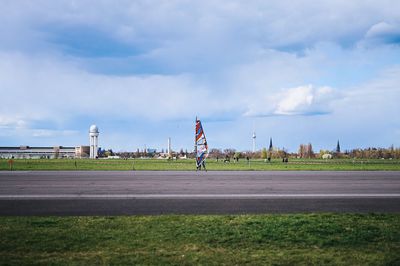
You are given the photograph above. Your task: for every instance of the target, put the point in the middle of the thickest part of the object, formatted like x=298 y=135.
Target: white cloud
x=382 y=29
x=302 y=100
x=383 y=32
x=46 y=133
x=185 y=29
x=14 y=126
x=38 y=89
x=11 y=122
x=305 y=100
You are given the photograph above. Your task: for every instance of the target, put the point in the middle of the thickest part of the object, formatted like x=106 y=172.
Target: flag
x=201 y=147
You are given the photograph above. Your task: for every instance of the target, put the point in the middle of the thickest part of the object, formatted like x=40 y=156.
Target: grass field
x=158 y=164
x=307 y=239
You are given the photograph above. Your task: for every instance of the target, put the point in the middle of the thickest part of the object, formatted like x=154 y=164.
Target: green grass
x=156 y=164
x=305 y=239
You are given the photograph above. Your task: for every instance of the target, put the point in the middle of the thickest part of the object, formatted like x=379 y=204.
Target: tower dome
x=93 y=129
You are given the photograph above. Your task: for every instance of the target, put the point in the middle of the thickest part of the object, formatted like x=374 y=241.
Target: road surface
x=184 y=192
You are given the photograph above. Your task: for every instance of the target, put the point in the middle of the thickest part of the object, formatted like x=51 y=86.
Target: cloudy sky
x=309 y=71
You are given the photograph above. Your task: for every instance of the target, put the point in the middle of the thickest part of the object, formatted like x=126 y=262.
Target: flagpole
x=195 y=144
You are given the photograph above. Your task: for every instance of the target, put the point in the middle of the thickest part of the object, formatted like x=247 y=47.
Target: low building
x=27 y=152
x=327 y=156
x=82 y=152
x=150 y=152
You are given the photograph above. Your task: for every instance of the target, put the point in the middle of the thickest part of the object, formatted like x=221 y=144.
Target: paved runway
x=161 y=192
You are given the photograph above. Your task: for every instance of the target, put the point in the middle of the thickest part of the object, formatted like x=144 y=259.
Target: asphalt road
x=178 y=192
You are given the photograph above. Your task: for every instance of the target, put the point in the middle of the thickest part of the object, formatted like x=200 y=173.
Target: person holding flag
x=200 y=146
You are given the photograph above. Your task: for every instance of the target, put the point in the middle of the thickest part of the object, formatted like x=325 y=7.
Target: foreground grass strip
x=189 y=164
x=329 y=239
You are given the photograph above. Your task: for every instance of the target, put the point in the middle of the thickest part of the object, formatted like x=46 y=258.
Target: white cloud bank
x=302 y=100
x=384 y=32
x=47 y=89
x=305 y=100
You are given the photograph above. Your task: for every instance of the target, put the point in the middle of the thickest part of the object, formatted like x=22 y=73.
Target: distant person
x=227 y=159
x=203 y=164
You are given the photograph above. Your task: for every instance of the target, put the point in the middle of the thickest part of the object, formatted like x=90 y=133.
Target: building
x=151 y=152
x=94 y=141
x=82 y=152
x=27 y=152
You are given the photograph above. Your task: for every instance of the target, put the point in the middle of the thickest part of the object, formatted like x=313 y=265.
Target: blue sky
x=142 y=70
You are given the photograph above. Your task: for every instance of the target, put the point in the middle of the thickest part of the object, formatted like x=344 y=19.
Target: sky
x=294 y=71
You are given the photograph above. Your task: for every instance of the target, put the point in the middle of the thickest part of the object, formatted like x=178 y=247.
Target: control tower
x=94 y=141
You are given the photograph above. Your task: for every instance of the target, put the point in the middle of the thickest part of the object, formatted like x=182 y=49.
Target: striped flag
x=201 y=147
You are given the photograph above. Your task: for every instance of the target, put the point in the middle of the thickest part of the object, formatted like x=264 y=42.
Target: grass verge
x=160 y=164
x=319 y=239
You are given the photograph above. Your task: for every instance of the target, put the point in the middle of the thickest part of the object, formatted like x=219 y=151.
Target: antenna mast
x=195 y=144
x=254 y=137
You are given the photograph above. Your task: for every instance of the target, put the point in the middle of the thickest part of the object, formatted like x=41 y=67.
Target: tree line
x=305 y=151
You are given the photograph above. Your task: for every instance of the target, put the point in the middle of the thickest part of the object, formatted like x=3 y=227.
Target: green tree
x=264 y=153
x=238 y=155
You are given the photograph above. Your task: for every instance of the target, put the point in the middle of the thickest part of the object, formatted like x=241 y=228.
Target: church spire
x=338 y=147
